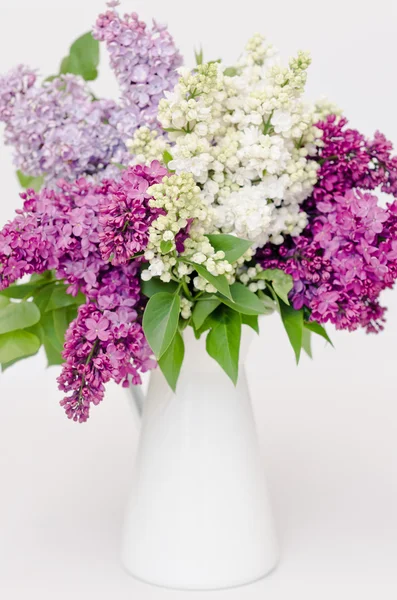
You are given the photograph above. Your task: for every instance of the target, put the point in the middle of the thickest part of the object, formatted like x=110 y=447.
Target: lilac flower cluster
x=126 y=218
x=61 y=230
x=144 y=61
x=58 y=130
x=104 y=342
x=348 y=253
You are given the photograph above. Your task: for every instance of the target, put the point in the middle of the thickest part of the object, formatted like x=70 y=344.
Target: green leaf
x=42 y=297
x=167 y=157
x=61 y=324
x=7 y=365
x=244 y=301
x=293 y=323
x=3 y=301
x=282 y=282
x=230 y=71
x=119 y=166
x=155 y=285
x=71 y=313
x=318 y=329
x=160 y=321
x=53 y=355
x=171 y=361
x=218 y=281
x=307 y=341
x=17 y=344
x=269 y=303
x=223 y=341
x=45 y=277
x=198 y=55
x=30 y=182
x=37 y=330
x=83 y=58
x=60 y=298
x=251 y=321
x=232 y=246
x=18 y=316
x=23 y=290
x=202 y=309
x=166 y=246
x=50 y=335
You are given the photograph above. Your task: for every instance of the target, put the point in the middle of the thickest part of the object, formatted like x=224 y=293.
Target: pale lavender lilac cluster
x=58 y=130
x=348 y=253
x=61 y=230
x=144 y=61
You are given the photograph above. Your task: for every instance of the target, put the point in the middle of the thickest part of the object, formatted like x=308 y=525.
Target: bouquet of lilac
x=203 y=198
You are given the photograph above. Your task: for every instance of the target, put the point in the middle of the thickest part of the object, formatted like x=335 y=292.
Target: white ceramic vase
x=199 y=516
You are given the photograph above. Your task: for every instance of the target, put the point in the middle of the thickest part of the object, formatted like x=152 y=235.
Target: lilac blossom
x=59 y=130
x=144 y=61
x=61 y=230
x=347 y=254
x=126 y=218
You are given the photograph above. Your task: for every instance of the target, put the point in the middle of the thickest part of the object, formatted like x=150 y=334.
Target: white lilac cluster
x=177 y=240
x=247 y=137
x=248 y=276
x=147 y=145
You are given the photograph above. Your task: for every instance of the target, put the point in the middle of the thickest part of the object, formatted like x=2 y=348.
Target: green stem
x=267 y=125
x=134 y=256
x=186 y=291
x=91 y=354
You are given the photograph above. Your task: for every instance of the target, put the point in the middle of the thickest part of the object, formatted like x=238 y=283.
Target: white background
x=328 y=428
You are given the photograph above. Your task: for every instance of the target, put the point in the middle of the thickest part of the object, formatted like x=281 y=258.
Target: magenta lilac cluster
x=126 y=217
x=58 y=130
x=144 y=60
x=348 y=253
x=61 y=230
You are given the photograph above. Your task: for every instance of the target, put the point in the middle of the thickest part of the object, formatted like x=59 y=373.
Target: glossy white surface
x=199 y=516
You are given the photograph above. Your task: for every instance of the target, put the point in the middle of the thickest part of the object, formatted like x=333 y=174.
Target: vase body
x=199 y=516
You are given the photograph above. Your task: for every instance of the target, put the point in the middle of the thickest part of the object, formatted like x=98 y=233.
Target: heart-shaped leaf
x=202 y=309
x=293 y=323
x=171 y=361
x=319 y=330
x=160 y=321
x=83 y=58
x=282 y=282
x=251 y=321
x=232 y=246
x=244 y=301
x=218 y=281
x=223 y=341
x=17 y=344
x=155 y=285
x=18 y=315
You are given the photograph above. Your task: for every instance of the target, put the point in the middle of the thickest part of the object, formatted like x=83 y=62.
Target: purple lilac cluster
x=144 y=60
x=58 y=130
x=61 y=230
x=348 y=253
x=126 y=218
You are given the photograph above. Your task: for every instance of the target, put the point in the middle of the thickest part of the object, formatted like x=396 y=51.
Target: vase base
x=203 y=587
